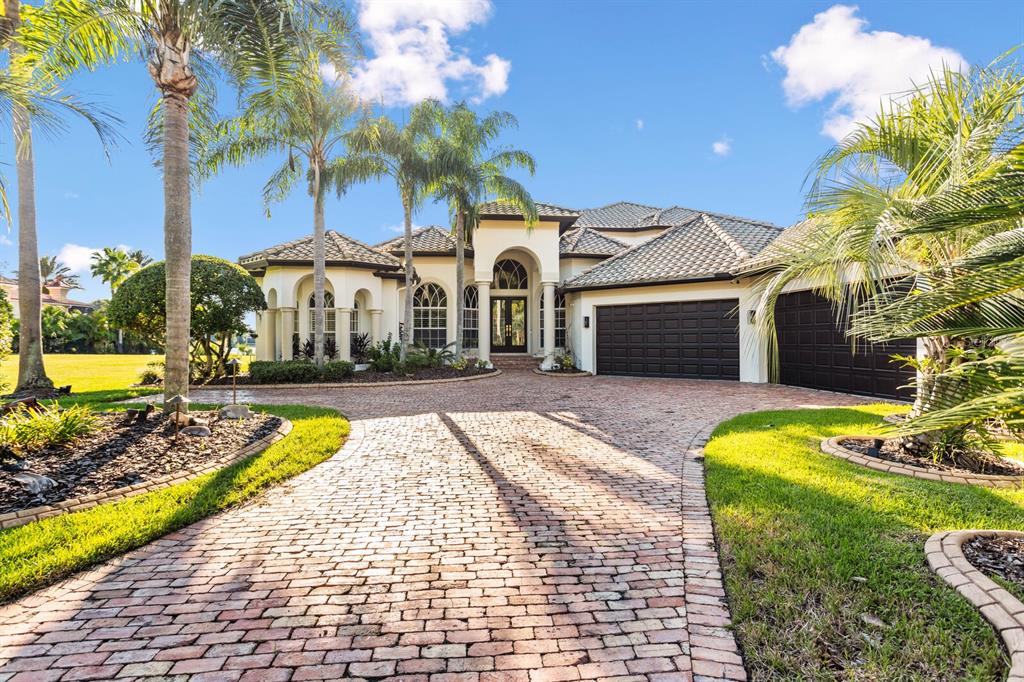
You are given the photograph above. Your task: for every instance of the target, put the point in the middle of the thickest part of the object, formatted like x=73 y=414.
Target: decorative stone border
x=1003 y=611
x=831 y=446
x=562 y=375
x=351 y=384
x=20 y=518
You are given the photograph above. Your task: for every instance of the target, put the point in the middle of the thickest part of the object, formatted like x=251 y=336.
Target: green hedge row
x=298 y=372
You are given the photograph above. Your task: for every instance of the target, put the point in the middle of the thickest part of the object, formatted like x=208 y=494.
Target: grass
x=797 y=530
x=85 y=372
x=42 y=552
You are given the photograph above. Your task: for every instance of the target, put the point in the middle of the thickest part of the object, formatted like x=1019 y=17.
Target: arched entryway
x=510 y=316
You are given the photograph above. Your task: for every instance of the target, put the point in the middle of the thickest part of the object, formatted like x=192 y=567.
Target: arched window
x=509 y=274
x=430 y=316
x=559 y=319
x=328 y=313
x=471 y=318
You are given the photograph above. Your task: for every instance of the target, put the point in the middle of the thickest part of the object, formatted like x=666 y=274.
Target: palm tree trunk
x=319 y=266
x=409 y=274
x=31 y=372
x=177 y=243
x=460 y=278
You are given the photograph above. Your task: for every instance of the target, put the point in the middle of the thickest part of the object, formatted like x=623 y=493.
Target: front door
x=508 y=325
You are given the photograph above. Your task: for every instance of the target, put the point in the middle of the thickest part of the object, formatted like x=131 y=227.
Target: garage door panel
x=815 y=352
x=692 y=339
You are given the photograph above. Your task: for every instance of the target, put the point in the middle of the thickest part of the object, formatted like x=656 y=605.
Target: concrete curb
x=562 y=375
x=375 y=384
x=1003 y=611
x=20 y=518
x=832 y=447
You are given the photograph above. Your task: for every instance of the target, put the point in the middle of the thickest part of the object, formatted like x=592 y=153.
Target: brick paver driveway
x=513 y=528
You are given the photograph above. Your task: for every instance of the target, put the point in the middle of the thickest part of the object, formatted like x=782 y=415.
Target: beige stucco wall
x=753 y=366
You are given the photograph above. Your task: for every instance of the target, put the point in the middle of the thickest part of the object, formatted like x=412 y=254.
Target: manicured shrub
x=384 y=356
x=339 y=370
x=283 y=372
x=152 y=375
x=25 y=430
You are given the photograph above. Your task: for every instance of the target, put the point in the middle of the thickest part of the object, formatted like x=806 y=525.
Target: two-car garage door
x=690 y=339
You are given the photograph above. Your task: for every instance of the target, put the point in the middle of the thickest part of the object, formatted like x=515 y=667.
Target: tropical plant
x=308 y=128
x=139 y=256
x=360 y=347
x=53 y=272
x=475 y=173
x=31 y=94
x=222 y=294
x=112 y=266
x=6 y=332
x=32 y=428
x=913 y=234
x=385 y=355
x=403 y=153
x=181 y=42
x=427 y=356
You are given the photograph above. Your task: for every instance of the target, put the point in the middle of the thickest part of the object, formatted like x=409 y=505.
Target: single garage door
x=814 y=352
x=692 y=339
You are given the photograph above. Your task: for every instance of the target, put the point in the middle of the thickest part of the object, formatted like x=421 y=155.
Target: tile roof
x=499 y=208
x=340 y=248
x=788 y=241
x=706 y=246
x=620 y=214
x=584 y=241
x=425 y=240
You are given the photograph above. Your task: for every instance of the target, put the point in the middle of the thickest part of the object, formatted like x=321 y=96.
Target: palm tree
x=53 y=272
x=904 y=199
x=113 y=266
x=31 y=93
x=478 y=174
x=139 y=256
x=404 y=154
x=181 y=41
x=310 y=125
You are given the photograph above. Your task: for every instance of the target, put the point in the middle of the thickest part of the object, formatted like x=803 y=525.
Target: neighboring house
x=626 y=288
x=54 y=294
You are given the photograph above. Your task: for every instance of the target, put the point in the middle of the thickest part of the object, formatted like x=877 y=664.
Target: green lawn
x=42 y=552
x=85 y=372
x=798 y=528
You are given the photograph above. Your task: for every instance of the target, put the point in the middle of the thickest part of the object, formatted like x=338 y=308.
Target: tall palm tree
x=113 y=266
x=477 y=174
x=903 y=199
x=139 y=256
x=31 y=93
x=53 y=271
x=404 y=154
x=251 y=40
x=310 y=129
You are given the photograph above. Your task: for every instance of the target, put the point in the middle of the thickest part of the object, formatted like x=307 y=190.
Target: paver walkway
x=516 y=528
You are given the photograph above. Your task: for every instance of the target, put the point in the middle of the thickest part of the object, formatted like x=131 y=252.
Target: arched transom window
x=509 y=274
x=329 y=318
x=471 y=318
x=430 y=316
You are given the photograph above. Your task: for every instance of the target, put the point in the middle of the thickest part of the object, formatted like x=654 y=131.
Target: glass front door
x=508 y=325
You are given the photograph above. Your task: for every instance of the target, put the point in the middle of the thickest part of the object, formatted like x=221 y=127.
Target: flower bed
x=294 y=372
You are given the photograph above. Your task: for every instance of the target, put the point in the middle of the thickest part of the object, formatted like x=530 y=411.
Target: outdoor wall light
x=586 y=321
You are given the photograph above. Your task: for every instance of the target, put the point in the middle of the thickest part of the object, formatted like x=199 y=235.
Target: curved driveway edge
x=1003 y=611
x=520 y=530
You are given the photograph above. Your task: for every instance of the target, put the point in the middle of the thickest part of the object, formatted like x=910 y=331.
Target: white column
x=484 y=333
x=266 y=343
x=549 y=325
x=344 y=322
x=375 y=314
x=340 y=333
x=287 y=332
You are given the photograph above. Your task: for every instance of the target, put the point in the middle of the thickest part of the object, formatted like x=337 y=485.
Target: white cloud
x=5 y=240
x=722 y=146
x=835 y=57
x=639 y=124
x=77 y=257
x=412 y=58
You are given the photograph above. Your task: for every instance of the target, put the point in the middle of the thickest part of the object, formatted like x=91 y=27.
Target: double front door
x=508 y=324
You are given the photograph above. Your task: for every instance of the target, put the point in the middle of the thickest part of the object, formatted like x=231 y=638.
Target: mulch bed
x=118 y=454
x=1001 y=556
x=371 y=377
x=986 y=463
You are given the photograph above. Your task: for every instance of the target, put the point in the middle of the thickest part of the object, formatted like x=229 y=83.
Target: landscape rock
x=34 y=483
x=235 y=412
x=197 y=430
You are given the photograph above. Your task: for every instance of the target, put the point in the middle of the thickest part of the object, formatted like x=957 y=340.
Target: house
x=626 y=288
x=54 y=294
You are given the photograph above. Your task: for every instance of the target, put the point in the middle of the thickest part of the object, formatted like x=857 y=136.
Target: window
x=471 y=318
x=430 y=316
x=559 y=319
x=328 y=313
x=353 y=326
x=509 y=274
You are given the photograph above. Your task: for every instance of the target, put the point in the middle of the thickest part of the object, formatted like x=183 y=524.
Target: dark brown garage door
x=814 y=352
x=694 y=339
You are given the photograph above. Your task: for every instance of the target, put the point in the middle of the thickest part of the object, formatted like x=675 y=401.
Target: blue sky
x=717 y=106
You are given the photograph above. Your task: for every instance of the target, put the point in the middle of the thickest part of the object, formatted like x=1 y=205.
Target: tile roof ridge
x=729 y=240
x=636 y=248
